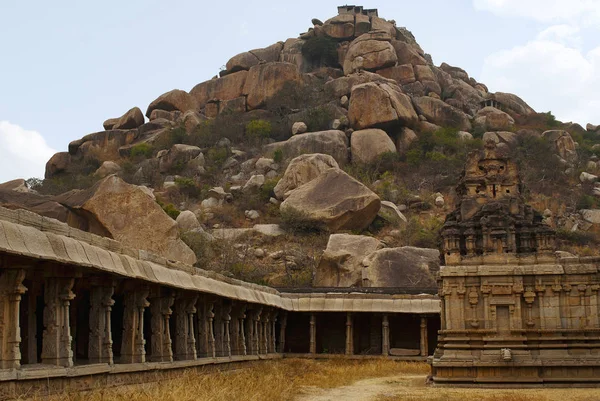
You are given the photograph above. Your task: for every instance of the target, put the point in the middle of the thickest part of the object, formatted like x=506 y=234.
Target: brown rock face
x=402 y=267
x=57 y=164
x=339 y=31
x=335 y=199
x=407 y=54
x=265 y=80
x=563 y=143
x=514 y=103
x=377 y=104
x=130 y=216
x=369 y=144
x=403 y=74
x=440 y=113
x=226 y=88
x=373 y=49
x=171 y=101
x=341 y=263
x=495 y=120
x=247 y=60
x=332 y=142
x=302 y=170
x=133 y=118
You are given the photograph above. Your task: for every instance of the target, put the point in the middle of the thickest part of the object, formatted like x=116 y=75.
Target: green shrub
x=321 y=50
x=318 y=118
x=587 y=202
x=266 y=190
x=258 y=129
x=576 y=237
x=169 y=209
x=278 y=156
x=187 y=186
x=141 y=150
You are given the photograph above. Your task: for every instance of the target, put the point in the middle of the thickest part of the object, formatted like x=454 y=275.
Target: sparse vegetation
x=321 y=51
x=141 y=150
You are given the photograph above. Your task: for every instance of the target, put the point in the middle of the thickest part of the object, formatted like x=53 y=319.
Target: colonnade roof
x=34 y=238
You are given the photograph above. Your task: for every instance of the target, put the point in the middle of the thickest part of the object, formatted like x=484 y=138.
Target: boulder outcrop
x=380 y=104
x=267 y=79
x=334 y=199
x=341 y=263
x=226 y=88
x=369 y=144
x=302 y=170
x=173 y=100
x=131 y=216
x=371 y=51
x=440 y=113
x=402 y=267
x=332 y=142
x=133 y=118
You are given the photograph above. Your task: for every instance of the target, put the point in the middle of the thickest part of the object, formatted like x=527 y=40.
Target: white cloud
x=585 y=11
x=567 y=35
x=550 y=74
x=23 y=153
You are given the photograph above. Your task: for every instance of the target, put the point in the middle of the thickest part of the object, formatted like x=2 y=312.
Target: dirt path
x=362 y=390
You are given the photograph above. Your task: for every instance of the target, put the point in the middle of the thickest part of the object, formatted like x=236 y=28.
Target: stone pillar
x=273 y=337
x=385 y=335
x=264 y=331
x=424 y=350
x=56 y=344
x=184 y=327
x=101 y=302
x=133 y=343
x=160 y=307
x=283 y=323
x=313 y=333
x=256 y=331
x=349 y=334
x=11 y=290
x=206 y=339
x=226 y=319
x=238 y=338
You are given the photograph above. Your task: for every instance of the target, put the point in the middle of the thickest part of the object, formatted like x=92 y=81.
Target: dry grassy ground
x=309 y=380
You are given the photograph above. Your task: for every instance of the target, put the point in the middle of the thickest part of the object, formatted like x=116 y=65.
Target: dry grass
x=291 y=379
x=266 y=381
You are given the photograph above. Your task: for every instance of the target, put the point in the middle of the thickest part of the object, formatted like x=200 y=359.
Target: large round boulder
x=130 y=216
x=440 y=113
x=402 y=267
x=266 y=80
x=371 y=51
x=133 y=118
x=341 y=263
x=178 y=157
x=492 y=119
x=369 y=144
x=223 y=89
x=334 y=199
x=377 y=104
x=332 y=142
x=302 y=170
x=171 y=101
x=563 y=143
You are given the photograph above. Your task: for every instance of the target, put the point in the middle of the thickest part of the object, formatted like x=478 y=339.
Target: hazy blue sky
x=67 y=66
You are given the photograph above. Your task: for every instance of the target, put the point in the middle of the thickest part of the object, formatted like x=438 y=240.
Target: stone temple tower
x=512 y=312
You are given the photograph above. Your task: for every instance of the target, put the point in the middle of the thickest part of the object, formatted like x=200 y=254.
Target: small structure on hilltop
x=512 y=312
x=351 y=9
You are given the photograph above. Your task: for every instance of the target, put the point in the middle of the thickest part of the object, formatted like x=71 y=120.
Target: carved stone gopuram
x=512 y=313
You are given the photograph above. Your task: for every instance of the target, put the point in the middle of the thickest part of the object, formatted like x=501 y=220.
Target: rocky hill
x=307 y=161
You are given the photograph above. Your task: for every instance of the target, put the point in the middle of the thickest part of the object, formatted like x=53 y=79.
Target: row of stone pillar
x=385 y=335
x=205 y=325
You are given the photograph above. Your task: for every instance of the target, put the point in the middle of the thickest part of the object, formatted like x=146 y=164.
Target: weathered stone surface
x=378 y=104
x=339 y=31
x=225 y=88
x=171 y=101
x=563 y=143
x=302 y=170
x=17 y=185
x=191 y=120
x=514 y=103
x=591 y=215
x=403 y=74
x=492 y=119
x=402 y=267
x=179 y=155
x=390 y=213
x=592 y=128
x=299 y=127
x=362 y=24
x=438 y=112
x=369 y=144
x=407 y=54
x=587 y=177
x=110 y=123
x=404 y=139
x=107 y=168
x=341 y=263
x=57 y=164
x=46 y=206
x=332 y=142
x=265 y=80
x=369 y=54
x=237 y=105
x=464 y=136
x=187 y=221
x=133 y=118
x=343 y=86
x=379 y=24
x=336 y=200
x=246 y=60
x=158 y=114
x=424 y=73
x=130 y=216
x=292 y=53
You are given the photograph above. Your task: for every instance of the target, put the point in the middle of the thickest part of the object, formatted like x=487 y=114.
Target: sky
x=66 y=66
